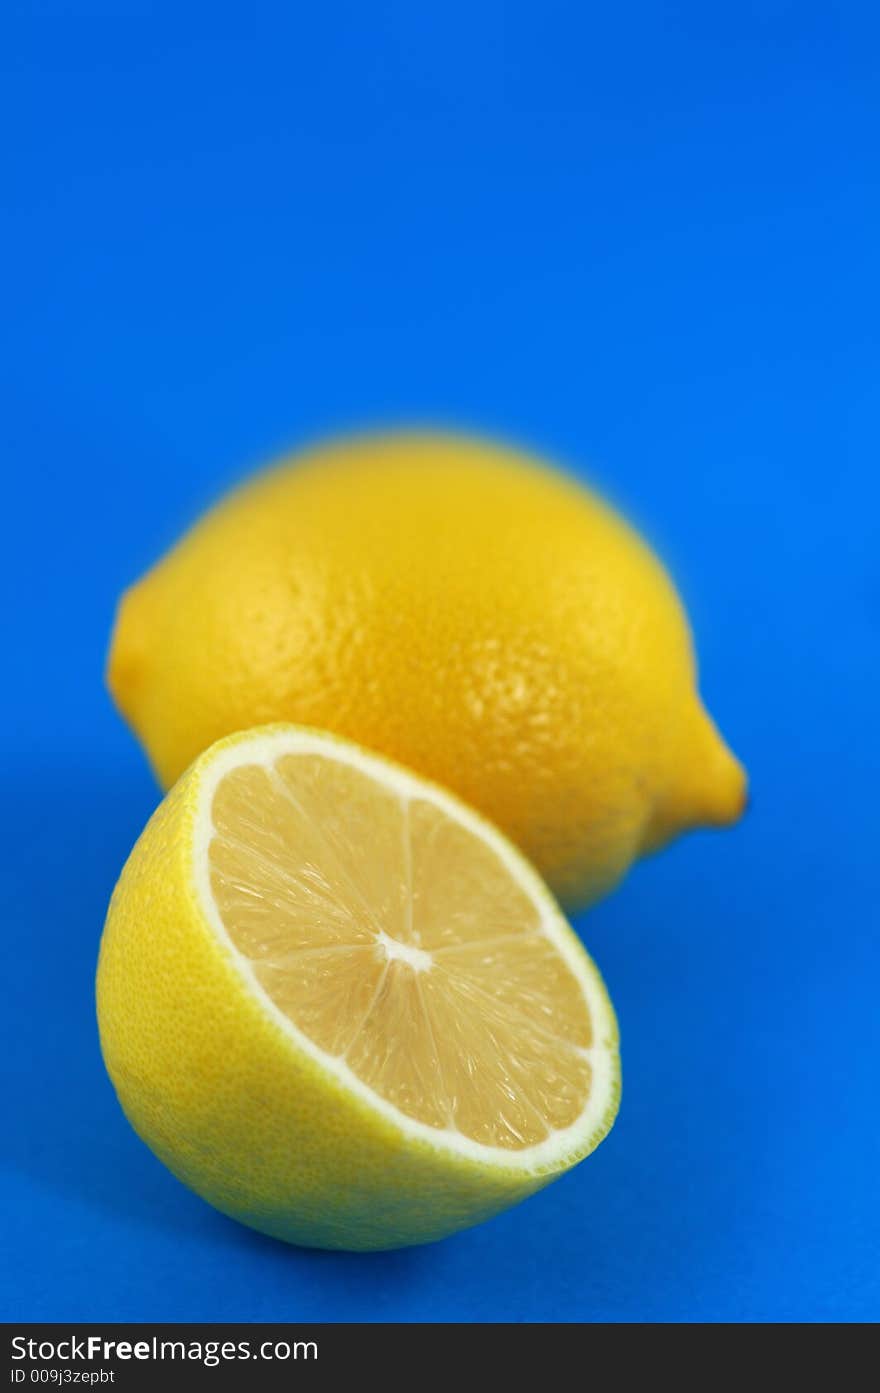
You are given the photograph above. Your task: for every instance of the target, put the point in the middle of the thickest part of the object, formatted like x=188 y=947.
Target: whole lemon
x=461 y=608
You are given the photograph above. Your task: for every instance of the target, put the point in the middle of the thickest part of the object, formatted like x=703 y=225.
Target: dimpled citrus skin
x=226 y=1099
x=458 y=607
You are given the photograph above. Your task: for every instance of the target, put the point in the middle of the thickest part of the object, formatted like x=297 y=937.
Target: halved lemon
x=341 y=1006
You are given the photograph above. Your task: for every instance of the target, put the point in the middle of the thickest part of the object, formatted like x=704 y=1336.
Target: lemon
x=341 y=1006
x=455 y=606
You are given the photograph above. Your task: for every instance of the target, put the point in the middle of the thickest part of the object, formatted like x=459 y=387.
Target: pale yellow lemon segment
x=398 y=942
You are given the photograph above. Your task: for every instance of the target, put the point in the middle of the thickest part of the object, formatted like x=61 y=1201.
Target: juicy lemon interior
x=399 y=941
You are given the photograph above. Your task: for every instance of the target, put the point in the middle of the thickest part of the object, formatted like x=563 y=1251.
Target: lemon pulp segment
x=395 y=938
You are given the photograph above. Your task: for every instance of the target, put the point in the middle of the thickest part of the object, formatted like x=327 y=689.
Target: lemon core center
x=417 y=958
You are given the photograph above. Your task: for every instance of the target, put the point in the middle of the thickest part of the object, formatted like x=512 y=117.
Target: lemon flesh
x=341 y=1006
x=457 y=607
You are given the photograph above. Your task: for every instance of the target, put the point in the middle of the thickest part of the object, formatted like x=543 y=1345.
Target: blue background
x=642 y=237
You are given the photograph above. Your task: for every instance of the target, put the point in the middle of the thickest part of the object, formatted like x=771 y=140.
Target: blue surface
x=643 y=237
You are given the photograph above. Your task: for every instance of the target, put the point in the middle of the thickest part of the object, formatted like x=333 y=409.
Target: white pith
x=417 y=958
x=264 y=748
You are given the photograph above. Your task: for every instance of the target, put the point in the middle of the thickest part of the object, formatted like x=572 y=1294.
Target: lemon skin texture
x=456 y=606
x=225 y=1098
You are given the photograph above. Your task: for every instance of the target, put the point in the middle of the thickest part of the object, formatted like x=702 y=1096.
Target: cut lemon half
x=341 y=1006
